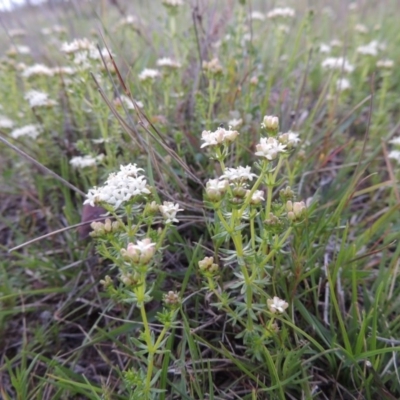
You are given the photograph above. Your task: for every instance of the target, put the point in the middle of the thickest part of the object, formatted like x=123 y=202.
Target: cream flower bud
x=239 y=192
x=108 y=225
x=286 y=193
x=129 y=279
x=295 y=210
x=271 y=123
x=171 y=298
x=206 y=262
x=207 y=266
x=254 y=81
x=106 y=282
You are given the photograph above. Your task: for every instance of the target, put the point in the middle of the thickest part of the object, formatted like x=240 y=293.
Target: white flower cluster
x=32 y=131
x=337 y=63
x=127 y=102
x=77 y=45
x=119 y=187
x=269 y=148
x=173 y=3
x=39 y=99
x=18 y=49
x=395 y=153
x=218 y=137
x=129 y=20
x=257 y=16
x=360 y=28
x=213 y=66
x=385 y=64
x=37 y=70
x=56 y=29
x=149 y=74
x=343 y=84
x=284 y=12
x=85 y=161
x=169 y=211
x=83 y=51
x=6 y=123
x=238 y=174
x=370 y=49
x=277 y=305
x=167 y=62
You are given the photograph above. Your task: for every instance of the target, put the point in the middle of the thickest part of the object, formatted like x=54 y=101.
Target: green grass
x=90 y=318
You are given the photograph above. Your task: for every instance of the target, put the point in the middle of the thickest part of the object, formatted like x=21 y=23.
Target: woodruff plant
x=249 y=228
x=134 y=245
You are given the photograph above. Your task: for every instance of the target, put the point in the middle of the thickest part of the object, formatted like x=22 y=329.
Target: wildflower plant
x=250 y=228
x=133 y=237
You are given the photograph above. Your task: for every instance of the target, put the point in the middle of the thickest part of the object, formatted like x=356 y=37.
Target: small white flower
x=128 y=20
x=343 y=84
x=360 y=28
x=169 y=210
x=238 y=174
x=215 y=188
x=257 y=197
x=221 y=135
x=173 y=3
x=213 y=67
x=370 y=49
x=257 y=16
x=324 y=48
x=395 y=141
x=32 y=131
x=64 y=70
x=119 y=187
x=284 y=12
x=149 y=74
x=395 y=155
x=39 y=99
x=37 y=70
x=130 y=170
x=128 y=103
x=385 y=64
x=77 y=45
x=290 y=139
x=336 y=43
x=168 y=63
x=141 y=252
x=85 y=161
x=18 y=49
x=235 y=123
x=269 y=148
x=337 y=63
x=17 y=32
x=6 y=123
x=277 y=305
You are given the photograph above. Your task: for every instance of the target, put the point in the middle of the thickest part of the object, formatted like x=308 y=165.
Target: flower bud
x=140 y=253
x=287 y=193
x=106 y=282
x=239 y=192
x=171 y=298
x=273 y=220
x=207 y=266
x=295 y=210
x=271 y=123
x=129 y=279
